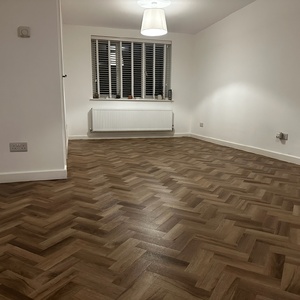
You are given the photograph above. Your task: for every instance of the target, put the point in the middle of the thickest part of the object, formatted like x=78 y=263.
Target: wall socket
x=201 y=124
x=18 y=147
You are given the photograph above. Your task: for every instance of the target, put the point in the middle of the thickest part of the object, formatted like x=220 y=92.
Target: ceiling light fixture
x=154 y=3
x=154 y=22
x=154 y=19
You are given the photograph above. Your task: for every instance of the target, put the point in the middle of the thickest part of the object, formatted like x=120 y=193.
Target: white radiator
x=131 y=120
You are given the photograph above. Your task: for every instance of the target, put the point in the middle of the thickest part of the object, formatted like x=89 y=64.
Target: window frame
x=161 y=68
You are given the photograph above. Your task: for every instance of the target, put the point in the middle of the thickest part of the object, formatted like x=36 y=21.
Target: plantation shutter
x=114 y=67
x=126 y=69
x=103 y=77
x=149 y=71
x=159 y=69
x=167 y=69
x=94 y=69
x=138 y=69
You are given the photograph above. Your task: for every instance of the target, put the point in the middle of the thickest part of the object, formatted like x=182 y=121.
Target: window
x=130 y=69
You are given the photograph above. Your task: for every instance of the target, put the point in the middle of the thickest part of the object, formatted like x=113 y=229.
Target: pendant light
x=154 y=18
x=154 y=22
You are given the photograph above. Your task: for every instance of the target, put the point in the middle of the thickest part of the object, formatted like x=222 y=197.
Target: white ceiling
x=183 y=16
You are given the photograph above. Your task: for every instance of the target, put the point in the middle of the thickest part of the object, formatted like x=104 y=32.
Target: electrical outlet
x=18 y=147
x=201 y=124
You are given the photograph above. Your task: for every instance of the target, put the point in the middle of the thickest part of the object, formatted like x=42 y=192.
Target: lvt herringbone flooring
x=154 y=219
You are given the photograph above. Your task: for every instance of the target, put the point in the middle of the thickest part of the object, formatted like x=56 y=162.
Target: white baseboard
x=127 y=136
x=264 y=152
x=33 y=176
x=78 y=137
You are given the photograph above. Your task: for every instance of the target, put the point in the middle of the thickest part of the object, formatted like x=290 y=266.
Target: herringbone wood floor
x=154 y=219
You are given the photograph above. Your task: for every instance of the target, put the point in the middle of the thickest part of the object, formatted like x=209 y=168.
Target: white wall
x=77 y=63
x=239 y=77
x=30 y=94
x=247 y=79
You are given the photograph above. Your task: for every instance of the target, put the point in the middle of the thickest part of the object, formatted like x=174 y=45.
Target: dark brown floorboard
x=163 y=219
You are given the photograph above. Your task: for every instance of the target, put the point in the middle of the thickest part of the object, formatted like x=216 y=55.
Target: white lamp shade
x=154 y=22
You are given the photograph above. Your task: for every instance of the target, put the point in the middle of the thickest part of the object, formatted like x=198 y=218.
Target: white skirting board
x=116 y=120
x=33 y=175
x=127 y=135
x=264 y=152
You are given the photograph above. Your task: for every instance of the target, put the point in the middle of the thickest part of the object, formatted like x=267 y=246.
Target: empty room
x=150 y=149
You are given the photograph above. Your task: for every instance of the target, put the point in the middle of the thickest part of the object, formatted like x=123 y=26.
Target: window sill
x=130 y=100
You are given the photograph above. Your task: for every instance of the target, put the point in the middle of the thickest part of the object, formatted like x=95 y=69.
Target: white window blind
x=130 y=69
